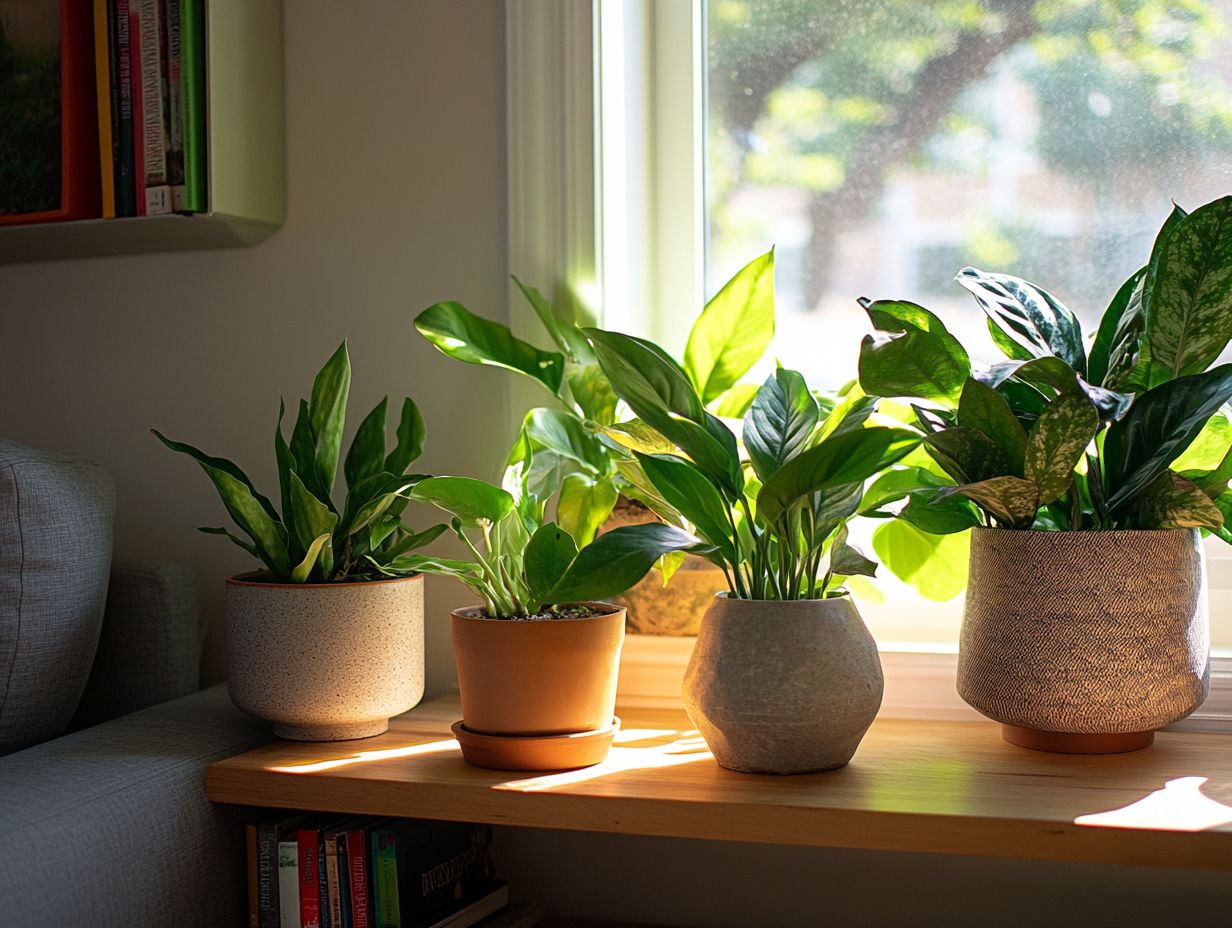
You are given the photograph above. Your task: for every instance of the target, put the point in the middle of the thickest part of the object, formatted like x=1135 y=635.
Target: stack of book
x=149 y=68
x=313 y=871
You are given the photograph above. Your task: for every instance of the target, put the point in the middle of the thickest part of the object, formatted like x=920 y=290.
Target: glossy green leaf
x=410 y=437
x=267 y=533
x=303 y=450
x=848 y=458
x=312 y=519
x=1112 y=340
x=914 y=354
x=984 y=409
x=687 y=490
x=373 y=497
x=1030 y=316
x=1057 y=443
x=473 y=501
x=936 y=565
x=735 y=403
x=1213 y=482
x=247 y=546
x=548 y=555
x=1189 y=313
x=967 y=455
x=636 y=435
x=302 y=570
x=584 y=505
x=1158 y=427
x=943 y=516
x=220 y=464
x=897 y=484
x=1173 y=501
x=410 y=541
x=367 y=453
x=565 y=434
x=327 y=413
x=848 y=561
x=564 y=333
x=460 y=334
x=618 y=559
x=733 y=331
x=1012 y=501
x=591 y=391
x=780 y=422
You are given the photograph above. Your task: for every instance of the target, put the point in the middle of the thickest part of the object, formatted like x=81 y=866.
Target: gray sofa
x=103 y=735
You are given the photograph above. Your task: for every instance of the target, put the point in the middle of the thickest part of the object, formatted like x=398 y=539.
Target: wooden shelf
x=937 y=787
x=245 y=138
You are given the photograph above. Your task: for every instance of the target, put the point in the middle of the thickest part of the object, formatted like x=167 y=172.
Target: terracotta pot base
x=332 y=732
x=536 y=752
x=1065 y=743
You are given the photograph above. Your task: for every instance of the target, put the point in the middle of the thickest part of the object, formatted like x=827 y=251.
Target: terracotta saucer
x=536 y=752
x=1065 y=743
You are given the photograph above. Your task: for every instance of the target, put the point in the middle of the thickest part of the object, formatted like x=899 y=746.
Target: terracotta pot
x=544 y=677
x=325 y=661
x=677 y=608
x=783 y=687
x=1085 y=642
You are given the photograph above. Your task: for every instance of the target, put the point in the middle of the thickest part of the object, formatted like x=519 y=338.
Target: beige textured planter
x=783 y=687
x=1085 y=642
x=326 y=661
x=677 y=608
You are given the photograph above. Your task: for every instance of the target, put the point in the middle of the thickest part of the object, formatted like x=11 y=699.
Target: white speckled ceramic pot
x=783 y=687
x=326 y=661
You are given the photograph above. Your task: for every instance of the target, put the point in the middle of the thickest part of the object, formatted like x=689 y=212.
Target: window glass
x=881 y=146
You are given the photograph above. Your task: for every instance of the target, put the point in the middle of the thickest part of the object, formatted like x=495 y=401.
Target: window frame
x=592 y=86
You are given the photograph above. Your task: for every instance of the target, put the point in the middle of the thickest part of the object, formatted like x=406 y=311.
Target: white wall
x=396 y=193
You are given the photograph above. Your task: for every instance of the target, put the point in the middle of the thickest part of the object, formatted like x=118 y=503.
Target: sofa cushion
x=56 y=513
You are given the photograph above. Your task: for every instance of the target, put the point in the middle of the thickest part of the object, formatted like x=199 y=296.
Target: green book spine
x=385 y=884
x=192 y=78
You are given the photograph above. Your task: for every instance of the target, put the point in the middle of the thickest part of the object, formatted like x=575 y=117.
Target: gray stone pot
x=1071 y=638
x=326 y=661
x=783 y=687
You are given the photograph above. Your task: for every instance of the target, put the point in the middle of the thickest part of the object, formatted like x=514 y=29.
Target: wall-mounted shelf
x=245 y=135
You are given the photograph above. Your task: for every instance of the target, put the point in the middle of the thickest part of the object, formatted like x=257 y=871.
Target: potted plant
x=326 y=639
x=1087 y=471
x=538 y=659
x=581 y=444
x=785 y=677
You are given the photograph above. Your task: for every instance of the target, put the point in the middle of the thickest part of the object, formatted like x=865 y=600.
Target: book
x=477 y=910
x=322 y=883
x=437 y=864
x=288 y=883
x=385 y=909
x=267 y=874
x=307 y=840
x=153 y=192
x=49 y=149
x=250 y=844
x=334 y=878
x=173 y=61
x=122 y=98
x=192 y=94
x=102 y=93
x=357 y=863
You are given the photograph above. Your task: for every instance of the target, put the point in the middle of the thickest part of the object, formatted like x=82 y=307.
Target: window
x=881 y=146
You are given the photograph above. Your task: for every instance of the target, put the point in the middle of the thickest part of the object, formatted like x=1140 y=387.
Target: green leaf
x=1173 y=501
x=1111 y=341
x=687 y=490
x=636 y=435
x=936 y=565
x=967 y=455
x=914 y=356
x=1189 y=312
x=592 y=392
x=1012 y=501
x=301 y=571
x=460 y=334
x=220 y=464
x=1215 y=481
x=1058 y=441
x=984 y=409
x=472 y=501
x=267 y=534
x=943 y=516
x=446 y=567
x=251 y=549
x=1030 y=316
x=565 y=434
x=312 y=517
x=548 y=555
x=584 y=505
x=780 y=422
x=1207 y=450
x=1007 y=346
x=410 y=435
x=618 y=559
x=285 y=464
x=412 y=540
x=327 y=412
x=568 y=337
x=733 y=331
x=367 y=454
x=373 y=497
x=735 y=403
x=303 y=450
x=848 y=458
x=848 y=561
x=1158 y=428
x=896 y=484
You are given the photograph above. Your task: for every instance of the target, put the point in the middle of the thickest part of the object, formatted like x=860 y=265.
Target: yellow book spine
x=102 y=87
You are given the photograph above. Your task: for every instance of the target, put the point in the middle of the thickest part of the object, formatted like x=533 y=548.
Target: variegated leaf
x=1012 y=501
x=1057 y=442
x=1173 y=501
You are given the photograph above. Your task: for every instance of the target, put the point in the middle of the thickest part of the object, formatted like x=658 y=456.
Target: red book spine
x=134 y=30
x=309 y=891
x=357 y=863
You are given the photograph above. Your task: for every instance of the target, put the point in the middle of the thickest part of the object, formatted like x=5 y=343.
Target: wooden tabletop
x=944 y=787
